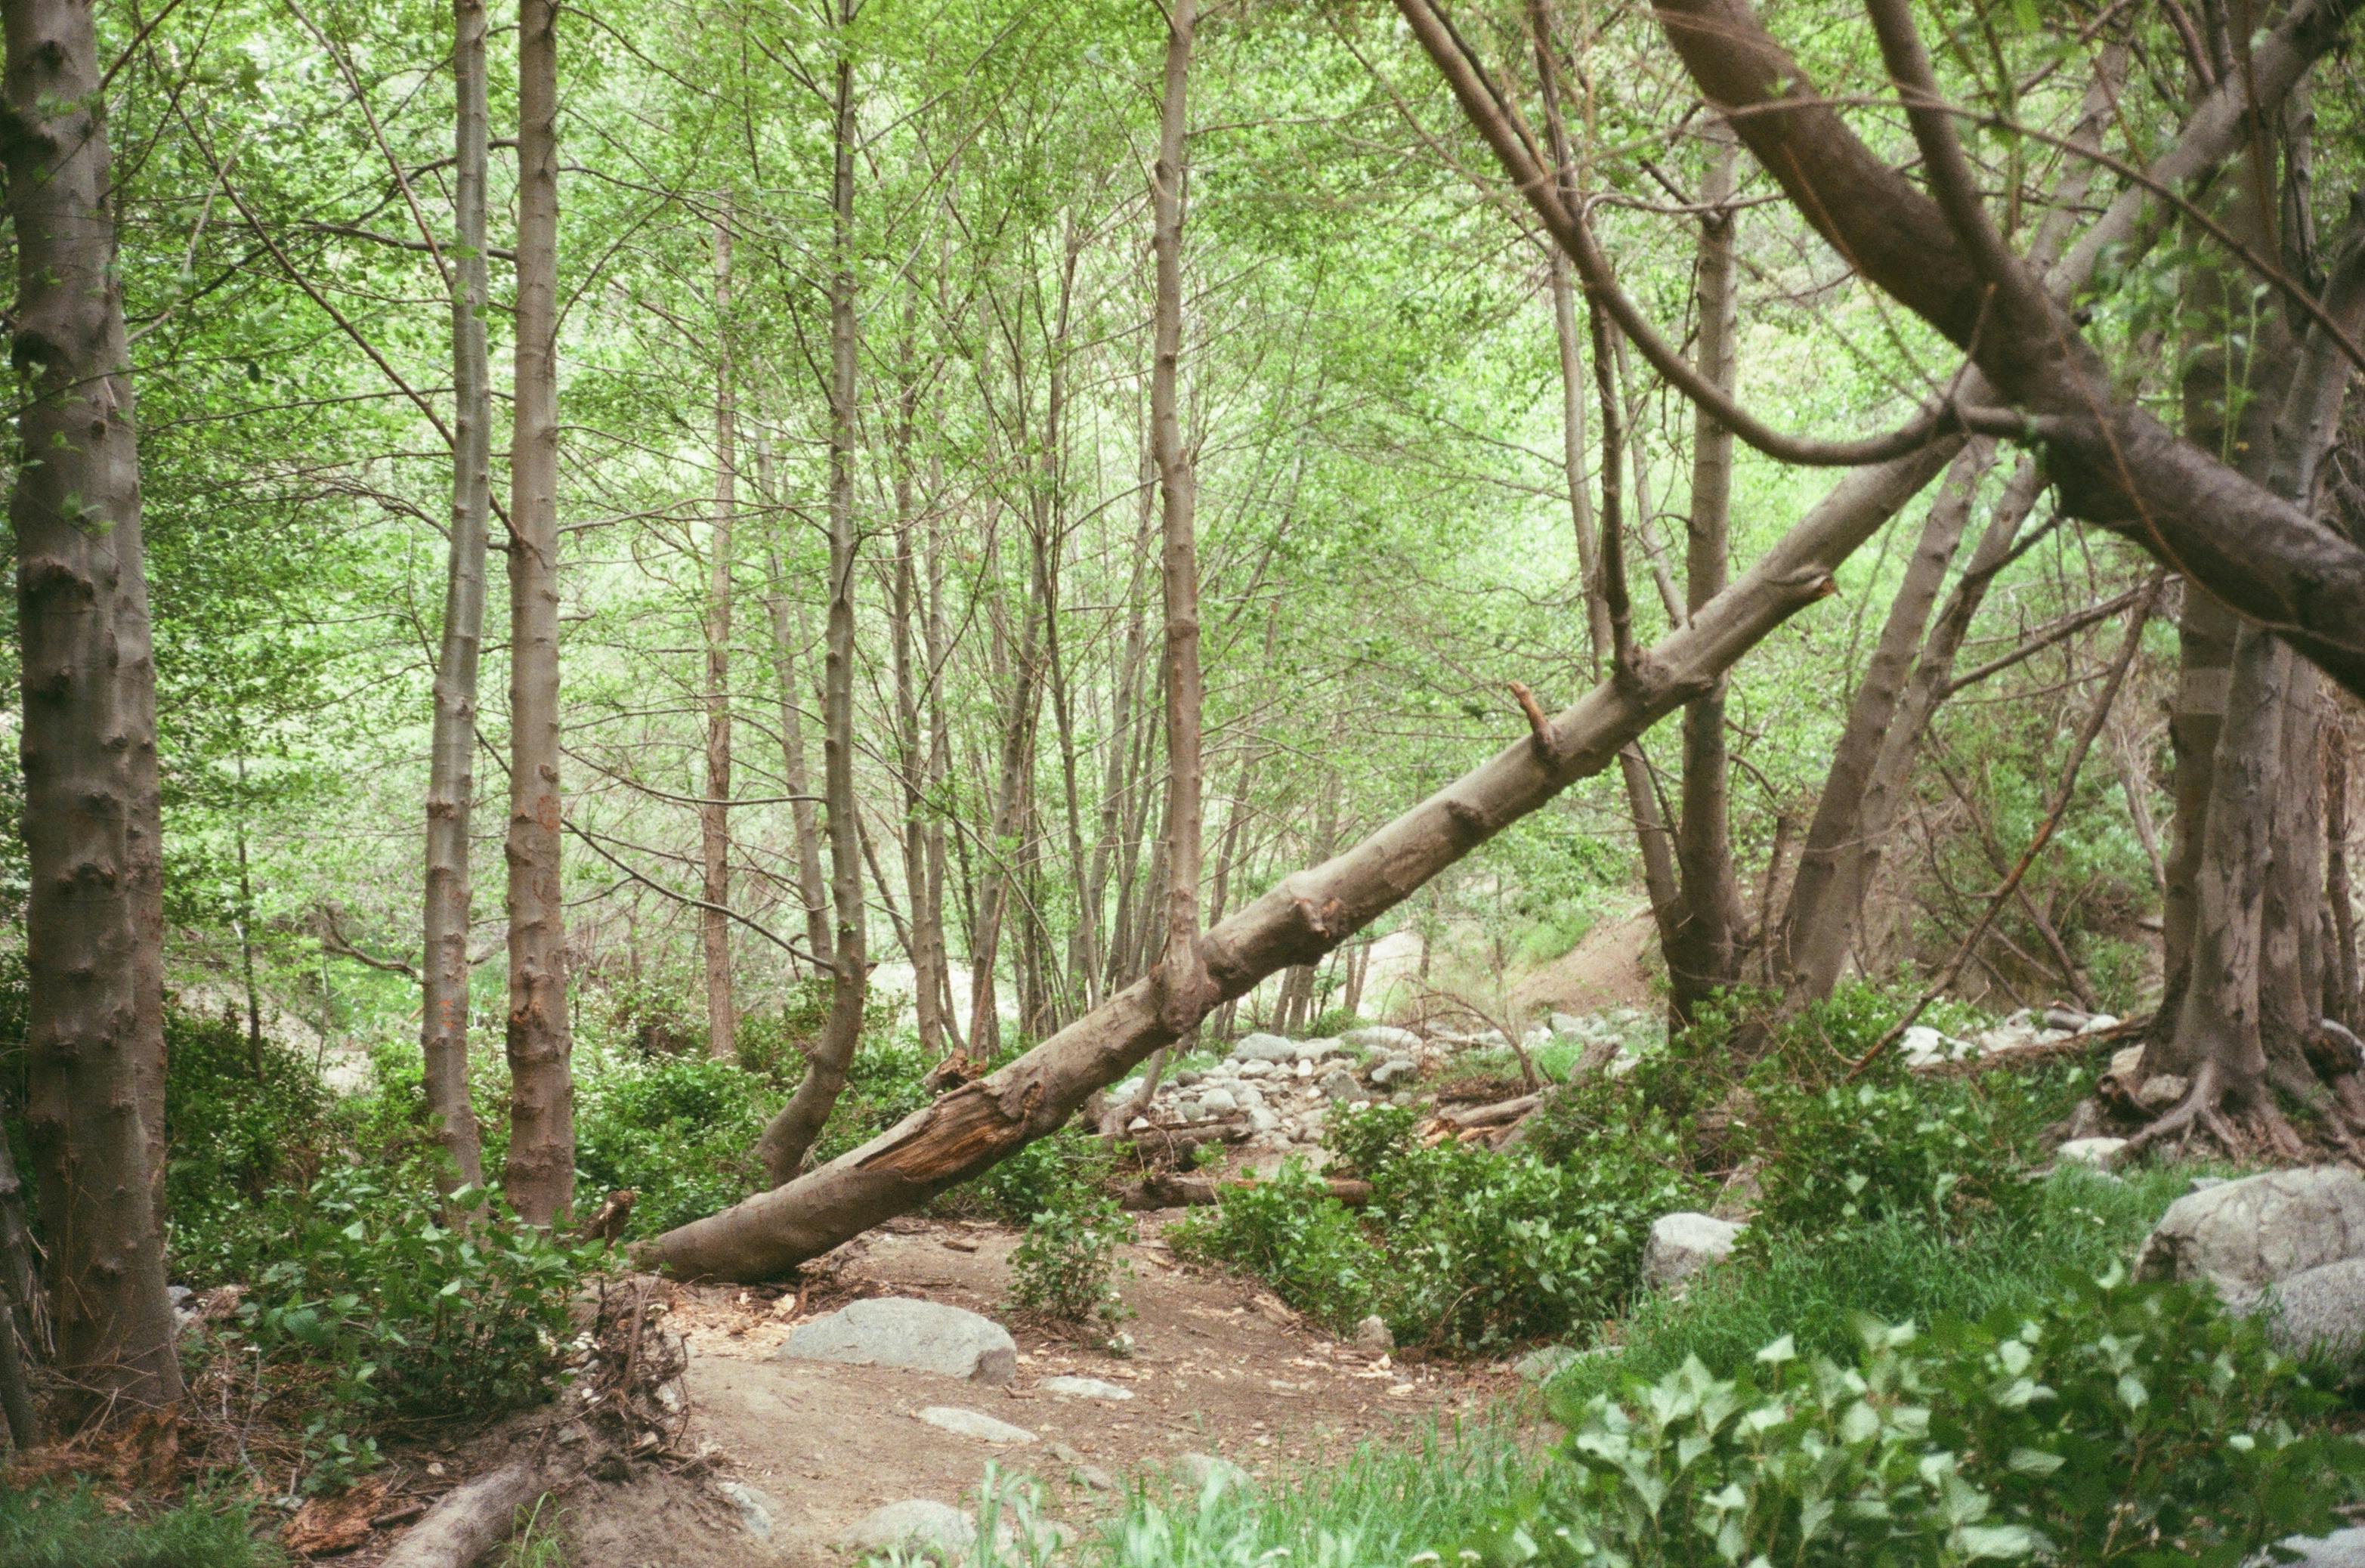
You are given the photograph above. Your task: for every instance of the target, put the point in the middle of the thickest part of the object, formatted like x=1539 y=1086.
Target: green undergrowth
x=1899 y=1268
x=72 y=1527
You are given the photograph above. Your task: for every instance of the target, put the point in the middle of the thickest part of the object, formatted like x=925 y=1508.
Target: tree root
x=2256 y=1127
x=470 y=1521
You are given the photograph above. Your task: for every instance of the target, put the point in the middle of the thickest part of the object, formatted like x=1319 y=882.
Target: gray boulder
x=1264 y=1047
x=2102 y=1153
x=1084 y=1388
x=1682 y=1244
x=1383 y=1037
x=974 y=1423
x=2246 y=1234
x=1393 y=1069
x=2319 y=1312
x=1340 y=1084
x=899 y=1331
x=1372 y=1338
x=1207 y=1472
x=916 y=1527
x=758 y=1511
x=1216 y=1101
x=2341 y=1549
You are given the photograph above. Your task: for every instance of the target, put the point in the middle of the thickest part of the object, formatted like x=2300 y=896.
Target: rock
x=916 y=1526
x=1206 y=1472
x=1260 y=1068
x=2125 y=1062
x=1682 y=1244
x=1544 y=1364
x=1263 y=1121
x=1216 y=1103
x=1567 y=1024
x=1084 y=1388
x=756 y=1509
x=2203 y=1183
x=1340 y=1084
x=2246 y=1234
x=1139 y=1123
x=1315 y=1050
x=1304 y=1067
x=899 y=1331
x=1265 y=1047
x=2320 y=1312
x=974 y=1423
x=1094 y=1476
x=1124 y=1092
x=1372 y=1336
x=1537 y=1038
x=2102 y=1153
x=2162 y=1090
x=2341 y=1549
x=1383 y=1037
x=2096 y=1024
x=1186 y=1079
x=1388 y=1071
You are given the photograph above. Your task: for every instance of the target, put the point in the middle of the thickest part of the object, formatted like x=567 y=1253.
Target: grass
x=1813 y=1288
x=72 y=1527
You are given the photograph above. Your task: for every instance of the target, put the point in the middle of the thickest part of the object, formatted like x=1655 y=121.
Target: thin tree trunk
x=924 y=939
x=2346 y=1006
x=714 y=806
x=791 y=1133
x=1703 y=958
x=451 y=747
x=540 y=1171
x=93 y=927
x=244 y=924
x=804 y=822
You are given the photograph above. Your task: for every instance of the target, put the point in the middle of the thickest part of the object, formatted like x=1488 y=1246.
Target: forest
x=1183 y=783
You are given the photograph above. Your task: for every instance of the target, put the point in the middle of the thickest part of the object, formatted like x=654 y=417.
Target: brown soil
x=1217 y=1366
x=1609 y=967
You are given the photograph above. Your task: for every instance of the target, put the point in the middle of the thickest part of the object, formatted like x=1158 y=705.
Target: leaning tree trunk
x=451 y=747
x=972 y=1127
x=714 y=806
x=791 y=1133
x=541 y=1172
x=95 y=1036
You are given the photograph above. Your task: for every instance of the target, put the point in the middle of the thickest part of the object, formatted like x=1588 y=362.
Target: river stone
x=915 y=1526
x=974 y=1423
x=1546 y=1363
x=2320 y=1311
x=1215 y=1101
x=2246 y=1234
x=2341 y=1549
x=756 y=1509
x=1384 y=1037
x=1265 y=1047
x=1682 y=1244
x=1206 y=1472
x=1372 y=1336
x=1084 y=1388
x=900 y=1331
x=1388 y=1071
x=2102 y=1153
x=1340 y=1084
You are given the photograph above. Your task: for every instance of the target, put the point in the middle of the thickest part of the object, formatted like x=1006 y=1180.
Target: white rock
x=1393 y=1069
x=1136 y=1125
x=1084 y=1388
x=2246 y=1234
x=974 y=1423
x=2320 y=1311
x=2341 y=1549
x=2102 y=1153
x=1261 y=1120
x=1260 y=1068
x=1265 y=1047
x=1372 y=1336
x=1682 y=1244
x=900 y=1331
x=1214 y=1101
x=2098 y=1023
x=758 y=1510
x=1124 y=1092
x=2162 y=1090
x=916 y=1526
x=1382 y=1037
x=1304 y=1067
x=1206 y=1472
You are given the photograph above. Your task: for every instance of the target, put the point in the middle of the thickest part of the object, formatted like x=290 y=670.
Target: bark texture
x=541 y=1172
x=714 y=808
x=452 y=747
x=93 y=919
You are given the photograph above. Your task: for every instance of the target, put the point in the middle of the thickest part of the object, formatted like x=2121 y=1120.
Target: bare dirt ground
x=1217 y=1367
x=1607 y=969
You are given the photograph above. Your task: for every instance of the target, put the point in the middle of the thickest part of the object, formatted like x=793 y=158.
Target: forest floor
x=795 y=1451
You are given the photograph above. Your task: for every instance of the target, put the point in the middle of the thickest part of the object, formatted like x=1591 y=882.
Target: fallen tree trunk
x=1299 y=921
x=1168 y=1191
x=470 y=1521
x=1492 y=1115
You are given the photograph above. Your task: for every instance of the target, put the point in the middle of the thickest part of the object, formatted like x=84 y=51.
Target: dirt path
x=798 y=1451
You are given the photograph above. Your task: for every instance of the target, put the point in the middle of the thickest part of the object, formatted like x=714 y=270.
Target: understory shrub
x=242 y=1118
x=376 y=1316
x=2114 y=1423
x=1458 y=1246
x=679 y=1131
x=1335 y=1023
x=1066 y=1265
x=1048 y=1173
x=73 y=1528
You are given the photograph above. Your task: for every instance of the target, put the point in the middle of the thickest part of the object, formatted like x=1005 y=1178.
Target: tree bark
x=540 y=1171
x=93 y=920
x=1703 y=958
x=971 y=1128
x=714 y=807
x=470 y=1521
x=791 y=1133
x=452 y=747
x=2346 y=1007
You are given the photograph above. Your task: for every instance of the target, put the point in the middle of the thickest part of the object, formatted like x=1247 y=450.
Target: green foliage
x=1049 y=1173
x=241 y=1119
x=679 y=1131
x=1066 y=1265
x=885 y=1082
x=2118 y=1423
x=1852 y=1152
x=46 y=1527
x=1458 y=1246
x=387 y=1317
x=1335 y=1023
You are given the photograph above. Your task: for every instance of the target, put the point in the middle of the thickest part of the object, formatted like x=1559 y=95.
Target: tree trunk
x=541 y=1173
x=714 y=807
x=924 y=940
x=451 y=747
x=804 y=822
x=1703 y=958
x=2345 y=1006
x=93 y=923
x=969 y=1130
x=791 y=1133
